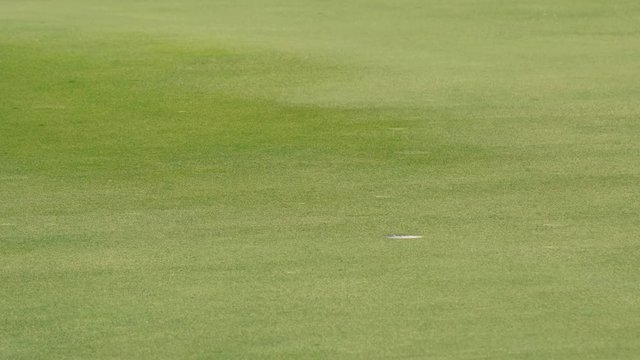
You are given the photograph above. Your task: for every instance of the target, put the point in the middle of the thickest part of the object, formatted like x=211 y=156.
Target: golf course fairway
x=319 y=179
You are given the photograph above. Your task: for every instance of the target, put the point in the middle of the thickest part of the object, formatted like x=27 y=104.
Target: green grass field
x=215 y=179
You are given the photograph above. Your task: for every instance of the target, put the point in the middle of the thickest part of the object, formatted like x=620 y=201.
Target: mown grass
x=204 y=179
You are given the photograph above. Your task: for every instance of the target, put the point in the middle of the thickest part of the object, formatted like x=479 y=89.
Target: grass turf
x=214 y=179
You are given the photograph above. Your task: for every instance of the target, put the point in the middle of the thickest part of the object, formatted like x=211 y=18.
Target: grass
x=204 y=179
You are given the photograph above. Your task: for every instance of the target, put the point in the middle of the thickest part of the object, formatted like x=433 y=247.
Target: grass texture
x=215 y=179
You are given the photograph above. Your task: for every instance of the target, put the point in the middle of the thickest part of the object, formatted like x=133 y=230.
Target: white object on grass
x=403 y=237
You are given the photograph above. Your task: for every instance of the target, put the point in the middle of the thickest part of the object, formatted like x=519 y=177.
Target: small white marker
x=403 y=237
x=7 y=224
